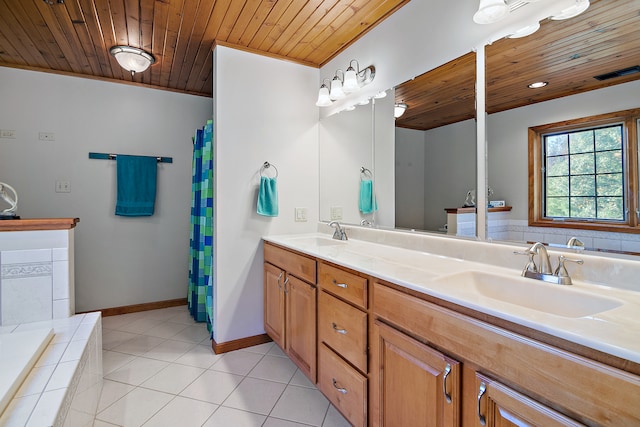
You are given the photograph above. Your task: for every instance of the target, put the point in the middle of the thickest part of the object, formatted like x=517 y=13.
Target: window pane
x=558 y=186
x=609 y=161
x=557 y=207
x=557 y=144
x=582 y=163
x=558 y=166
x=583 y=185
x=610 y=185
x=610 y=208
x=581 y=142
x=583 y=207
x=609 y=138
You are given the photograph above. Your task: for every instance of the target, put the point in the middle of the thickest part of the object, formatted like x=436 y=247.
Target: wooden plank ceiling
x=567 y=54
x=74 y=36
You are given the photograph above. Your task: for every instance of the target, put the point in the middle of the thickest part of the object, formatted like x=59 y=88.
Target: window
x=584 y=173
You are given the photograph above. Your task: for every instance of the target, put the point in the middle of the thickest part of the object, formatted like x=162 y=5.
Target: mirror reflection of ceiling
x=74 y=36
x=566 y=54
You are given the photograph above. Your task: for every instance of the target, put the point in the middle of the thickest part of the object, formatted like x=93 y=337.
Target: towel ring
x=364 y=171
x=266 y=166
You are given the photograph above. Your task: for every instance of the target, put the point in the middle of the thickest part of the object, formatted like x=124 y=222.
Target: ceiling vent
x=618 y=73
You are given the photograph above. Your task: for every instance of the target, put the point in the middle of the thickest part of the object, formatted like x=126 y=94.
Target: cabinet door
x=500 y=406
x=415 y=385
x=274 y=304
x=301 y=325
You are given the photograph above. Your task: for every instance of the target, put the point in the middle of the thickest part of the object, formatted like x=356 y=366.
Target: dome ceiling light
x=132 y=59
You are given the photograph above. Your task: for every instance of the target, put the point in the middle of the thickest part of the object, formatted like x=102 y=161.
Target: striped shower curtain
x=200 y=298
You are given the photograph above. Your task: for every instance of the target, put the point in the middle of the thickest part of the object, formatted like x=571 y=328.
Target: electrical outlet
x=301 y=214
x=63 y=187
x=336 y=213
x=8 y=134
x=47 y=136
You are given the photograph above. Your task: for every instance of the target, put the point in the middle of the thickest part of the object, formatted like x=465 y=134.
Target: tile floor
x=159 y=370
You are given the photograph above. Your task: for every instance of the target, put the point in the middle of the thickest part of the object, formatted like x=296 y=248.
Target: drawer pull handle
x=483 y=389
x=340 y=389
x=340 y=285
x=279 y=278
x=285 y=285
x=338 y=330
x=447 y=371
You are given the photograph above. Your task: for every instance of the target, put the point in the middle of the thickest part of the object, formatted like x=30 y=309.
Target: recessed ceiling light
x=537 y=85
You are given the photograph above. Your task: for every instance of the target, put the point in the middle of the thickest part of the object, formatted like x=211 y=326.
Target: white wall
x=450 y=169
x=409 y=179
x=384 y=168
x=444 y=174
x=264 y=110
x=346 y=146
x=118 y=261
x=508 y=139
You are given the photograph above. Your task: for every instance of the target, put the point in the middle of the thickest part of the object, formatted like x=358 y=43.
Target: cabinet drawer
x=343 y=328
x=348 y=286
x=345 y=387
x=298 y=265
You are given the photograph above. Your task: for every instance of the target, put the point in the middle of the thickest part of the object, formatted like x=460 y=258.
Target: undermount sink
x=318 y=241
x=559 y=300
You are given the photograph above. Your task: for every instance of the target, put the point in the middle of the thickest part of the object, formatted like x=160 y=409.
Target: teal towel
x=268 y=196
x=136 y=185
x=367 y=203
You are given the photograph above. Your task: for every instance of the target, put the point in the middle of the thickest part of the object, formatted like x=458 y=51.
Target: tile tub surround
x=19 y=351
x=63 y=388
x=36 y=274
x=430 y=257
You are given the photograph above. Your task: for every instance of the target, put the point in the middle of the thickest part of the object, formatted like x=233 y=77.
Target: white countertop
x=615 y=331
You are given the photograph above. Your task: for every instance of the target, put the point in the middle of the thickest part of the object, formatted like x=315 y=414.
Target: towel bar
x=107 y=156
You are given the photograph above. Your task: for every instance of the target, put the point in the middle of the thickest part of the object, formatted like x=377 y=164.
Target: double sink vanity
x=443 y=334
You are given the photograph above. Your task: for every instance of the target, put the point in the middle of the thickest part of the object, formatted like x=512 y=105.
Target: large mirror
x=424 y=161
x=346 y=162
x=435 y=140
x=567 y=55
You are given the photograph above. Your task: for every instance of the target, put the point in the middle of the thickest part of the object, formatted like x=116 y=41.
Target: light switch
x=301 y=214
x=63 y=186
x=8 y=134
x=336 y=213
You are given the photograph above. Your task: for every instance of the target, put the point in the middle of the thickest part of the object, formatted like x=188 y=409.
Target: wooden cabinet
x=501 y=406
x=343 y=341
x=549 y=386
x=344 y=386
x=290 y=305
x=387 y=356
x=414 y=385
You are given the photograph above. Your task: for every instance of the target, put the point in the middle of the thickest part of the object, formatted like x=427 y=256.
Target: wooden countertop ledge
x=38 y=224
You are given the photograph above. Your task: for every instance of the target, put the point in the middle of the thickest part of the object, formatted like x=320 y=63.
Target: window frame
x=630 y=119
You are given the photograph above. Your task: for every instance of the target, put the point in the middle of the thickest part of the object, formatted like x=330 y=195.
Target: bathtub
x=51 y=372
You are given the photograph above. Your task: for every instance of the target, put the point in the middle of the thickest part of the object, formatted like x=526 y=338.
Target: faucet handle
x=561 y=271
x=531 y=264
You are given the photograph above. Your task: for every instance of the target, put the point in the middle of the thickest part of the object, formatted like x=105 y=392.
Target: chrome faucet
x=543 y=256
x=560 y=276
x=575 y=243
x=340 y=233
x=366 y=223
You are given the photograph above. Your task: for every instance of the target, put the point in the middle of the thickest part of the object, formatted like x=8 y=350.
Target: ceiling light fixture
x=380 y=95
x=574 y=10
x=537 y=85
x=132 y=59
x=399 y=109
x=351 y=81
x=526 y=31
x=492 y=11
